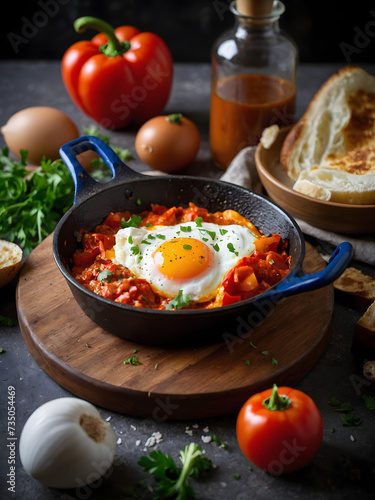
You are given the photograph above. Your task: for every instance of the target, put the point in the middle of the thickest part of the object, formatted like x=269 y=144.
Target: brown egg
x=41 y=131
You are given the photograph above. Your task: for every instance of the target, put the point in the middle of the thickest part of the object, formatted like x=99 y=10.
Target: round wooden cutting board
x=168 y=383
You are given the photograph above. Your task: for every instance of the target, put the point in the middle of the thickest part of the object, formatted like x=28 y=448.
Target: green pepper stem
x=111 y=49
x=276 y=401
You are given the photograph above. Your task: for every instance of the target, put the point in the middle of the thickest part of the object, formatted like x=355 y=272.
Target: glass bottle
x=253 y=79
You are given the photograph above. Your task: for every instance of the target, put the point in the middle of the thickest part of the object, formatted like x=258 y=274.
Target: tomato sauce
x=93 y=267
x=242 y=106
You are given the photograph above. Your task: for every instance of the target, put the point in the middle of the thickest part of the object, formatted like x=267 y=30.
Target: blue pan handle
x=84 y=184
x=338 y=262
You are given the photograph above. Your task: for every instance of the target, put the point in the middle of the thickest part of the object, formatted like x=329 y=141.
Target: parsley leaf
x=181 y=300
x=350 y=420
x=133 y=360
x=218 y=441
x=135 y=249
x=339 y=406
x=212 y=234
x=187 y=247
x=133 y=221
x=198 y=221
x=369 y=401
x=231 y=248
x=173 y=482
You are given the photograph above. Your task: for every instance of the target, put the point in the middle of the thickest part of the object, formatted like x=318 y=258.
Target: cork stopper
x=252 y=8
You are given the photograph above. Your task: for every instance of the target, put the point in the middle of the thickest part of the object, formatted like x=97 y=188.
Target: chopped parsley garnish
x=139 y=258
x=252 y=345
x=212 y=234
x=161 y=236
x=150 y=236
x=247 y=362
x=145 y=242
x=223 y=231
x=133 y=221
x=265 y=353
x=339 y=406
x=138 y=201
x=135 y=250
x=198 y=221
x=130 y=240
x=350 y=420
x=216 y=247
x=105 y=276
x=218 y=441
x=186 y=229
x=133 y=360
x=274 y=361
x=181 y=300
x=187 y=247
x=231 y=248
x=369 y=401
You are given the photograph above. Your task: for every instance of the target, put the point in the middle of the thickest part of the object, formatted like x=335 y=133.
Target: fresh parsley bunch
x=172 y=481
x=32 y=203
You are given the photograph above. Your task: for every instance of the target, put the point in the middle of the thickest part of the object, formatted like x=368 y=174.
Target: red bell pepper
x=120 y=76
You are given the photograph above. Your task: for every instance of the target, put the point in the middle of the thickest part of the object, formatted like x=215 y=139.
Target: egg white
x=135 y=247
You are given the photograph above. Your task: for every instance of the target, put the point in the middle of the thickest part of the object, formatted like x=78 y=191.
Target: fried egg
x=190 y=257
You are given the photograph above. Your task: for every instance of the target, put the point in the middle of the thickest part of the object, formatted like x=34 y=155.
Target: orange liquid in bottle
x=242 y=106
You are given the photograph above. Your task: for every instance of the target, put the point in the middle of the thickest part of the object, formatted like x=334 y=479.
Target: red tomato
x=168 y=143
x=280 y=440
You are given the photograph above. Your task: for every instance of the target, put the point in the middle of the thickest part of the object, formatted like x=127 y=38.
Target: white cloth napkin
x=242 y=171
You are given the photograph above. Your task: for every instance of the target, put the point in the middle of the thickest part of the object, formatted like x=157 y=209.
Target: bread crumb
x=269 y=136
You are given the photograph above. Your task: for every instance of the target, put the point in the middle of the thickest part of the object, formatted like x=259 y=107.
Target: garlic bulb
x=66 y=444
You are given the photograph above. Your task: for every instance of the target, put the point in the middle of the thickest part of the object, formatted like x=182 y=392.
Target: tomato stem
x=276 y=401
x=175 y=118
x=111 y=49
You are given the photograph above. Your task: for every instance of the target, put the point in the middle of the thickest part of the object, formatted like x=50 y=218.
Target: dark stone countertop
x=345 y=465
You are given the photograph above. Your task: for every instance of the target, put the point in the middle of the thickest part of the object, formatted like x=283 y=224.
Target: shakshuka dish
x=174 y=258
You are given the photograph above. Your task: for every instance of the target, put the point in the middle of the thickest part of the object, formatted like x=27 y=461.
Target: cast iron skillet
x=129 y=190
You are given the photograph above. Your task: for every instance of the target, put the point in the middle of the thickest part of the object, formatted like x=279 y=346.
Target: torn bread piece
x=333 y=144
x=359 y=288
x=364 y=331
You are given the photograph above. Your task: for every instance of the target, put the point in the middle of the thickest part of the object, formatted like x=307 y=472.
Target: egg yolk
x=182 y=258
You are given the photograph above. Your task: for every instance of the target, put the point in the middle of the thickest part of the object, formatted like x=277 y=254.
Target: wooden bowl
x=336 y=217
